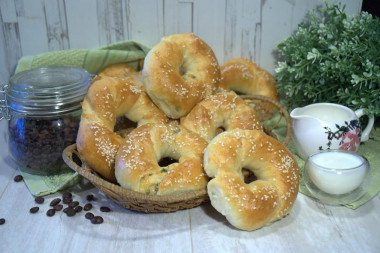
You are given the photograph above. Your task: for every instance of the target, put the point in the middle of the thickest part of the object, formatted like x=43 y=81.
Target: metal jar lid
x=45 y=91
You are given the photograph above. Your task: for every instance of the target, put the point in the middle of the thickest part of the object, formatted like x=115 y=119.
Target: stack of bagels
x=190 y=131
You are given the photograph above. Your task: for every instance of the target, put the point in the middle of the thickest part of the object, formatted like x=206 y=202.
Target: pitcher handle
x=367 y=130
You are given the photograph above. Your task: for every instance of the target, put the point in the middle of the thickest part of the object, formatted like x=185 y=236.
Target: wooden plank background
x=233 y=28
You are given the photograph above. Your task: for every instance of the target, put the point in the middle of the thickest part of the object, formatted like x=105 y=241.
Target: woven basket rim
x=282 y=110
x=158 y=203
x=88 y=173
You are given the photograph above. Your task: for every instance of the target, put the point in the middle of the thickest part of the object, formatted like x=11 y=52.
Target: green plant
x=334 y=58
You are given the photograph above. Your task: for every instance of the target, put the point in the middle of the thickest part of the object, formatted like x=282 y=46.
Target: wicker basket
x=155 y=203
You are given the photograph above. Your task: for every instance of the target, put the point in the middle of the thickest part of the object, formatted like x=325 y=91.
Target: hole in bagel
x=124 y=123
x=182 y=70
x=239 y=93
x=249 y=176
x=220 y=130
x=166 y=161
x=187 y=75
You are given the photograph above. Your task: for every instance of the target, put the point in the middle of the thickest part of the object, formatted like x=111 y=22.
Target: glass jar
x=43 y=110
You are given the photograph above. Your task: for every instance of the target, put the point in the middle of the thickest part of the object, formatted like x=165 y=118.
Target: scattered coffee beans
x=34 y=209
x=50 y=212
x=2 y=221
x=18 y=178
x=97 y=220
x=39 y=200
x=72 y=207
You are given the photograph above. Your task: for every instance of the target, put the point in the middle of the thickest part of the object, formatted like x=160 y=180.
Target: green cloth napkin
x=369 y=149
x=45 y=185
x=93 y=60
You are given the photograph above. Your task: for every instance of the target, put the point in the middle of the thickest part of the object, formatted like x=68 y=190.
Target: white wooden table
x=310 y=227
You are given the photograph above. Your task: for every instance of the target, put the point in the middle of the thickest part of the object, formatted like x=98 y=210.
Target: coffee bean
x=74 y=204
x=55 y=201
x=97 y=220
x=105 y=209
x=87 y=207
x=34 y=209
x=70 y=211
x=2 y=221
x=67 y=200
x=90 y=197
x=18 y=178
x=50 y=212
x=58 y=207
x=67 y=195
x=39 y=200
x=78 y=209
x=89 y=215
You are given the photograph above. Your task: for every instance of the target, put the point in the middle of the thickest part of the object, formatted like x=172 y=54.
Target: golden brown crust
x=107 y=99
x=246 y=77
x=118 y=70
x=224 y=110
x=137 y=161
x=122 y=70
x=179 y=72
x=270 y=197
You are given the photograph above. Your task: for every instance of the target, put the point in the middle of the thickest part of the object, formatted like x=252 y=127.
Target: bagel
x=249 y=206
x=246 y=77
x=121 y=70
x=138 y=160
x=107 y=99
x=220 y=111
x=118 y=70
x=179 y=72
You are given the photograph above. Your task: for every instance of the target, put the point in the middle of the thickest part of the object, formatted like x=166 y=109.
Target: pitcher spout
x=303 y=115
x=297 y=113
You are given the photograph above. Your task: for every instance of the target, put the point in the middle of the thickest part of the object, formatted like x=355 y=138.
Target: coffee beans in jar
x=42 y=141
x=43 y=116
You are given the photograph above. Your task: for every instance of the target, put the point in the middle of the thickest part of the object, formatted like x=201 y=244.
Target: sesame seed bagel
x=124 y=71
x=107 y=99
x=224 y=110
x=179 y=72
x=249 y=206
x=138 y=160
x=246 y=77
x=120 y=70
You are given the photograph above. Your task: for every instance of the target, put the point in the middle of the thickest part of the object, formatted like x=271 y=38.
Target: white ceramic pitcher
x=323 y=126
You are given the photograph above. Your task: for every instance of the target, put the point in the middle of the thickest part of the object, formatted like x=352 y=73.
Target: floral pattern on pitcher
x=348 y=134
x=350 y=141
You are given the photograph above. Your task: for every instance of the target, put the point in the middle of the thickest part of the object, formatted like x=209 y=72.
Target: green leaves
x=332 y=58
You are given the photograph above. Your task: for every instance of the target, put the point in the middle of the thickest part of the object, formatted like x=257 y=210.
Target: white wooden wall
x=233 y=28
